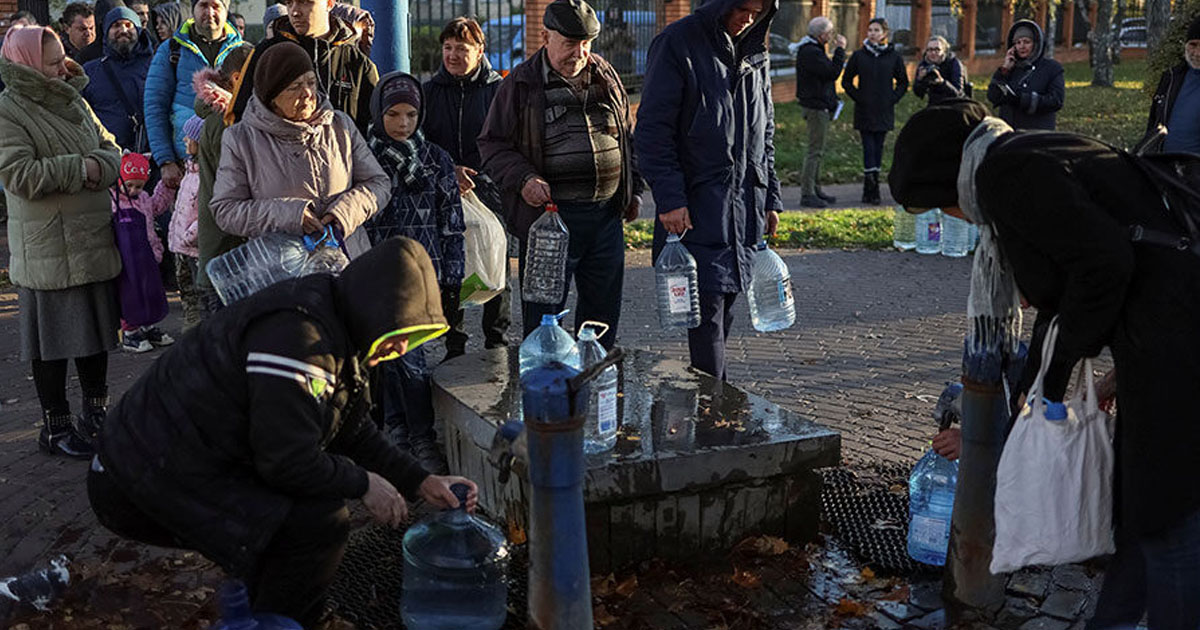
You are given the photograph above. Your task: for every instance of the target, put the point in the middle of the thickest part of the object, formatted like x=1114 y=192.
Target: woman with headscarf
x=1027 y=88
x=166 y=18
x=1081 y=231
x=56 y=164
x=882 y=82
x=294 y=164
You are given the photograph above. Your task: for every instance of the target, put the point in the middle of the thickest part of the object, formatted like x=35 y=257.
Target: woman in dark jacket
x=457 y=99
x=1028 y=89
x=939 y=74
x=882 y=82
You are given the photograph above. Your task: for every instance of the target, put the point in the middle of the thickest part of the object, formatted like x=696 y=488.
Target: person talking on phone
x=1027 y=88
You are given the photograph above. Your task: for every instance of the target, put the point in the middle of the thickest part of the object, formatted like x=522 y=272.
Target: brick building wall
x=7 y=8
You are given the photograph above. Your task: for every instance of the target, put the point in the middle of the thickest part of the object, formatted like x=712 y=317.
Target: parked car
x=1133 y=37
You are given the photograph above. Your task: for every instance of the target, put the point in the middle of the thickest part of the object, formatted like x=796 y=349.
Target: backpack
x=1176 y=176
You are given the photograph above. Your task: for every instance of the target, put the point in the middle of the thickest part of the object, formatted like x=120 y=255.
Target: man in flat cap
x=706 y=144
x=559 y=132
x=1105 y=242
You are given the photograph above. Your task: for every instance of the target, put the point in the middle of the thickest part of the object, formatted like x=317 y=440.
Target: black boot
x=829 y=199
x=60 y=436
x=429 y=455
x=95 y=410
x=871 y=188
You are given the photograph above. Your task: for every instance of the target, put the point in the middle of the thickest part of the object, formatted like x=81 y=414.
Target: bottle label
x=935 y=231
x=785 y=291
x=928 y=532
x=678 y=300
x=606 y=410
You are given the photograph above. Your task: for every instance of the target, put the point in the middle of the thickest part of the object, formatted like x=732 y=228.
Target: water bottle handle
x=601 y=325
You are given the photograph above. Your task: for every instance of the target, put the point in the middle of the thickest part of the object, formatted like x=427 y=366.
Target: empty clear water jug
x=273 y=257
x=956 y=236
x=929 y=232
x=454 y=567
x=930 y=505
x=678 y=287
x=772 y=306
x=904 y=230
x=600 y=425
x=548 y=342
x=545 y=276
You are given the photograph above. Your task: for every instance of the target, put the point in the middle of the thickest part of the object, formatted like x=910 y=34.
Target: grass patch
x=1116 y=115
x=859 y=229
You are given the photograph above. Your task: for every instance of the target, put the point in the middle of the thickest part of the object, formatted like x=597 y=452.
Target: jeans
x=189 y=295
x=1158 y=575
x=291 y=574
x=408 y=397
x=706 y=342
x=872 y=142
x=596 y=260
x=818 y=121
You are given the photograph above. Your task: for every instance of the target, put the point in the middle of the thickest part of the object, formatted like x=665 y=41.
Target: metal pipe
x=391 y=49
x=559 y=589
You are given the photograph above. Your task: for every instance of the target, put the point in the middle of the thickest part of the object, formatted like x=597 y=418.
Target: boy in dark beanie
x=425 y=206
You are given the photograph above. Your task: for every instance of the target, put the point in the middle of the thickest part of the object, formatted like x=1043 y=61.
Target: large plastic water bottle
x=548 y=342
x=256 y=264
x=956 y=236
x=772 y=306
x=904 y=230
x=678 y=287
x=600 y=427
x=930 y=505
x=929 y=232
x=236 y=614
x=545 y=279
x=454 y=565
x=325 y=253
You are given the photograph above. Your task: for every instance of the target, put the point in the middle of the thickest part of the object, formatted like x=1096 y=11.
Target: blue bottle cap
x=1055 y=411
x=461 y=490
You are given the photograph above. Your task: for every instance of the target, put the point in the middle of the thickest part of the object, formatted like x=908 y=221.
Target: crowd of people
x=245 y=440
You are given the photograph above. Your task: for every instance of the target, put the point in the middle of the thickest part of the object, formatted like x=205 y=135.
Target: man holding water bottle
x=721 y=206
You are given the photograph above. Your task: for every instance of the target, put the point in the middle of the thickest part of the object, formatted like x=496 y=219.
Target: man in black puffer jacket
x=245 y=440
x=1028 y=89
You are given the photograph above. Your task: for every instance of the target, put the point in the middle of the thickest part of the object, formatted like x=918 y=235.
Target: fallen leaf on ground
x=868 y=574
x=603 y=586
x=601 y=616
x=847 y=607
x=746 y=579
x=627 y=587
x=898 y=595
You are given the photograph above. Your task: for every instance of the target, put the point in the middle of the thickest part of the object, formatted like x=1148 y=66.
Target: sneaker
x=134 y=341
x=813 y=201
x=429 y=456
x=157 y=337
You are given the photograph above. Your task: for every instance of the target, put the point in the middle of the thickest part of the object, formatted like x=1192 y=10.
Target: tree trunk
x=1102 y=41
x=1051 y=28
x=1158 y=14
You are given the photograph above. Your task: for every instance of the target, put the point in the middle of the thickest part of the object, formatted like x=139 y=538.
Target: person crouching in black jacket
x=1027 y=87
x=245 y=440
x=1056 y=214
x=940 y=75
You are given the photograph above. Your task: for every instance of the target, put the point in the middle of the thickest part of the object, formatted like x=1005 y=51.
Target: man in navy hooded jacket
x=705 y=144
x=116 y=80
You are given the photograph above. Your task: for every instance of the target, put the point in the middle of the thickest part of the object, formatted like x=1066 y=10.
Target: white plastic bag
x=486 y=247
x=1054 y=483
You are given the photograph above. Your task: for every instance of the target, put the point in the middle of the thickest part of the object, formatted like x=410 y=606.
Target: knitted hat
x=192 y=128
x=121 y=13
x=273 y=12
x=278 y=68
x=400 y=89
x=572 y=18
x=135 y=167
x=1023 y=31
x=928 y=153
x=1193 y=31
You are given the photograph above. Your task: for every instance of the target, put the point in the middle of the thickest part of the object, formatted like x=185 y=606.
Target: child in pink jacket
x=181 y=236
x=130 y=193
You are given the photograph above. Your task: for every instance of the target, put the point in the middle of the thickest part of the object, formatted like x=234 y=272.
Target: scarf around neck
x=994 y=304
x=875 y=49
x=399 y=158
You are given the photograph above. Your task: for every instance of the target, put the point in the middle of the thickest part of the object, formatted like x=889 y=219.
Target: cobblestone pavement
x=877 y=337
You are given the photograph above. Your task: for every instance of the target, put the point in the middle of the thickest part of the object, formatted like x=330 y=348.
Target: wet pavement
x=877 y=337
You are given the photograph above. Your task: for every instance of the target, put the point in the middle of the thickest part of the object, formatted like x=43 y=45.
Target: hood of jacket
x=1039 y=39
x=340 y=33
x=482 y=76
x=143 y=46
x=170 y=13
x=377 y=102
x=260 y=116
x=389 y=291
x=752 y=41
x=210 y=95
x=55 y=95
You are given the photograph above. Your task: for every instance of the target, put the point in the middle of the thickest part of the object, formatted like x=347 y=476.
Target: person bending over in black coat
x=247 y=438
x=1081 y=231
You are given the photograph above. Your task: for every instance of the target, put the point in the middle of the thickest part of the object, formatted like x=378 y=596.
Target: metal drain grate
x=366 y=590
x=869 y=514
